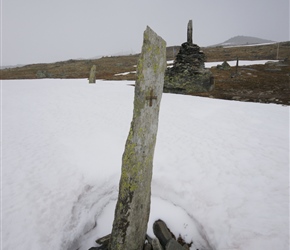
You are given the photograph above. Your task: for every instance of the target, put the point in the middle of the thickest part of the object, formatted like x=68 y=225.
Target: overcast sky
x=34 y=31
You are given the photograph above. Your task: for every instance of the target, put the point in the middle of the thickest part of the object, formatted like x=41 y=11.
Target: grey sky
x=34 y=31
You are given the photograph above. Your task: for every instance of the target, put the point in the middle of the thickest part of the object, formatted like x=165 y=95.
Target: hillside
x=257 y=83
x=107 y=67
x=244 y=40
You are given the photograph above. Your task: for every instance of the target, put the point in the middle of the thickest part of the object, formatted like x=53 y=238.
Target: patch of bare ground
x=269 y=83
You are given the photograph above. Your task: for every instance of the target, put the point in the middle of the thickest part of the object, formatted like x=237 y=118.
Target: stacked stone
x=189 y=57
x=188 y=74
x=164 y=240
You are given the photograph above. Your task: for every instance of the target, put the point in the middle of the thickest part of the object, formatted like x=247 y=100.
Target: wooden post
x=237 y=66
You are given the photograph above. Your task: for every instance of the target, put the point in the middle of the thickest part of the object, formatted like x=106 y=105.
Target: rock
x=149 y=239
x=133 y=204
x=40 y=74
x=270 y=63
x=156 y=244
x=224 y=66
x=172 y=244
x=147 y=246
x=104 y=240
x=182 y=242
x=92 y=78
x=274 y=70
x=236 y=98
x=186 y=247
x=43 y=74
x=161 y=232
x=99 y=248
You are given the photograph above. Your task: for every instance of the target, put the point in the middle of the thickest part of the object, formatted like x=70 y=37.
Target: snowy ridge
x=90 y=204
x=230 y=45
x=241 y=63
x=220 y=175
x=244 y=41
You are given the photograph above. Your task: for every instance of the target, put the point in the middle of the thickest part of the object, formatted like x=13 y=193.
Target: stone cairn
x=163 y=239
x=188 y=74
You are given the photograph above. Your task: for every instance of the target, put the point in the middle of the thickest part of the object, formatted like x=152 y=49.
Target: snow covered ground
x=213 y=64
x=221 y=168
x=231 y=45
x=241 y=63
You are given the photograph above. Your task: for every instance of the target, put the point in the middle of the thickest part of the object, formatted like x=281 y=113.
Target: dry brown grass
x=269 y=83
x=259 y=83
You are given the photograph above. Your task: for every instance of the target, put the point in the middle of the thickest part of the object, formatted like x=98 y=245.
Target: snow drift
x=221 y=168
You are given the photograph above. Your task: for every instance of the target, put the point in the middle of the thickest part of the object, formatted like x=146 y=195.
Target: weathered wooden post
x=277 y=57
x=92 y=78
x=133 y=205
x=237 y=66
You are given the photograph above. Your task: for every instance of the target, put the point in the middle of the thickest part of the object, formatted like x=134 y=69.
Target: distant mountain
x=11 y=66
x=243 y=40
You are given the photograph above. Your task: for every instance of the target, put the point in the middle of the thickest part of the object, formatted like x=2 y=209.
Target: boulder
x=43 y=74
x=149 y=239
x=162 y=232
x=156 y=244
x=172 y=244
x=185 y=247
x=224 y=66
x=147 y=246
x=104 y=242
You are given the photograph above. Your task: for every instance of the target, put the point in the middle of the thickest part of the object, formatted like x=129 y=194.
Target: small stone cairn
x=164 y=240
x=188 y=74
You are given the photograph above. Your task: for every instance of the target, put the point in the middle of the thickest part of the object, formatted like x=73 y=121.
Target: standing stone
x=237 y=66
x=133 y=205
x=92 y=78
x=189 y=32
x=161 y=231
x=173 y=245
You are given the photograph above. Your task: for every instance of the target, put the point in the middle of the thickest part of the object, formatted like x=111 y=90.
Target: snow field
x=221 y=168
